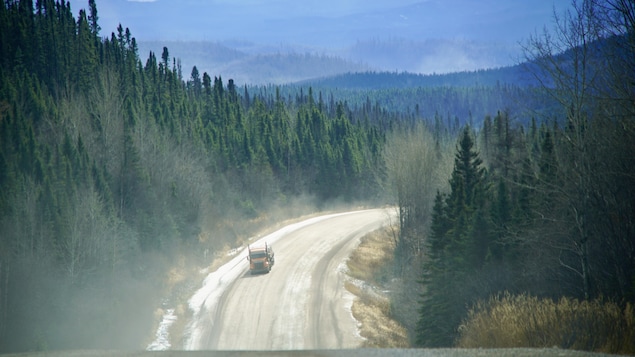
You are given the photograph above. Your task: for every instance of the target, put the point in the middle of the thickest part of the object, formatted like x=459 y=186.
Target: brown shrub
x=526 y=321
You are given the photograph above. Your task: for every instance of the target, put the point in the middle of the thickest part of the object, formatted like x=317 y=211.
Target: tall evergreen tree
x=459 y=242
x=93 y=18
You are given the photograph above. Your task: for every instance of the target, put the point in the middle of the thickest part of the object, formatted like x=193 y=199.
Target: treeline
x=517 y=75
x=110 y=164
x=451 y=105
x=251 y=64
x=544 y=209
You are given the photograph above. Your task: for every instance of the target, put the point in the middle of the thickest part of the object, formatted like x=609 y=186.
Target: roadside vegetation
x=527 y=321
x=538 y=209
x=370 y=265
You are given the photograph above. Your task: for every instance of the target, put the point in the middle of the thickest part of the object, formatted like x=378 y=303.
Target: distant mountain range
x=360 y=75
x=366 y=65
x=247 y=63
x=251 y=64
x=277 y=42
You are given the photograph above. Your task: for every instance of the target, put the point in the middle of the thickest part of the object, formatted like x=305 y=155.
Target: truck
x=261 y=259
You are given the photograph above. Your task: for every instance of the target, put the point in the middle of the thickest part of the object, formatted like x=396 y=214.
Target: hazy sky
x=420 y=36
x=325 y=22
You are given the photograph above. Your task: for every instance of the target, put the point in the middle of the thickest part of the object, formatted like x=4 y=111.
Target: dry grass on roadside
x=371 y=257
x=525 y=321
x=376 y=326
x=368 y=263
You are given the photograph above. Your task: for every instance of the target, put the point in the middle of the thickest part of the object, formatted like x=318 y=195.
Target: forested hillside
x=517 y=75
x=116 y=167
x=111 y=164
x=450 y=106
x=544 y=209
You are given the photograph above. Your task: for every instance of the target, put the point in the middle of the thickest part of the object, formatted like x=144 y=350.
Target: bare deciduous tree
x=584 y=65
x=106 y=109
x=417 y=167
x=86 y=246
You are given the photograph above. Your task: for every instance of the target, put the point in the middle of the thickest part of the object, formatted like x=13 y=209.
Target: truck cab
x=261 y=259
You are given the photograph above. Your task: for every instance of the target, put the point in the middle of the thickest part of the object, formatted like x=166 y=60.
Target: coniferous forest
x=109 y=162
x=114 y=163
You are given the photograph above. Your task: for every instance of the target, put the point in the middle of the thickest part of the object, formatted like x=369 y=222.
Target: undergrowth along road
x=369 y=266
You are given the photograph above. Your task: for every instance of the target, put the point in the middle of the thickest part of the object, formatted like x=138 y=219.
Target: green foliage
x=447 y=107
x=106 y=160
x=536 y=222
x=459 y=243
x=530 y=223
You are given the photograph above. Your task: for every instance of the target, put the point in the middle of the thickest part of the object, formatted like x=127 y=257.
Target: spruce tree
x=93 y=18
x=459 y=242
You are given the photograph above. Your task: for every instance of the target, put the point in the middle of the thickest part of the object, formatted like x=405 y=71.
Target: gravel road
x=300 y=308
x=301 y=304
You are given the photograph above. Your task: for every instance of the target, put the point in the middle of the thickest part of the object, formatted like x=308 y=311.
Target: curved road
x=301 y=304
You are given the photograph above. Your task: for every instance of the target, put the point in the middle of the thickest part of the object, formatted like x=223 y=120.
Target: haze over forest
x=282 y=41
x=124 y=172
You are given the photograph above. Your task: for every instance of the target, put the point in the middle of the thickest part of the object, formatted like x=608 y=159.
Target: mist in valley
x=281 y=41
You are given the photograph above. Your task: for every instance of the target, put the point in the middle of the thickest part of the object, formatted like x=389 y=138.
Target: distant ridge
x=522 y=75
x=248 y=63
x=516 y=75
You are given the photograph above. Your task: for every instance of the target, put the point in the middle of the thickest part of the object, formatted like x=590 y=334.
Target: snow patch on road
x=162 y=337
x=349 y=298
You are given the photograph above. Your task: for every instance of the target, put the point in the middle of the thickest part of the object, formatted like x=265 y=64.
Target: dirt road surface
x=301 y=304
x=300 y=308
